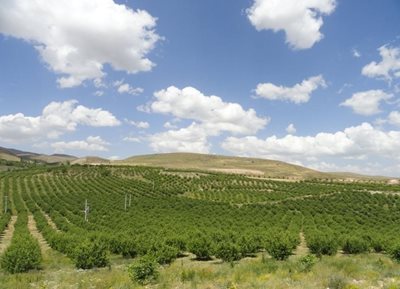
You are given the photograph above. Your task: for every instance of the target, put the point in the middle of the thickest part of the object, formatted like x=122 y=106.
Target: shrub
x=395 y=252
x=22 y=255
x=128 y=248
x=201 y=247
x=165 y=254
x=228 y=252
x=322 y=245
x=355 y=245
x=280 y=247
x=91 y=254
x=143 y=270
x=307 y=262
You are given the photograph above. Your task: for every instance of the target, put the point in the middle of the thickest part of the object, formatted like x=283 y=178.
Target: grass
x=341 y=272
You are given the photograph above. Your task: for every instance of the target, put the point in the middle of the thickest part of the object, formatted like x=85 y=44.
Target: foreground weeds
x=338 y=272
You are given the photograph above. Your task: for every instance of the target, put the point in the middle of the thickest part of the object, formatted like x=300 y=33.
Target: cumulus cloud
x=291 y=129
x=56 y=119
x=388 y=68
x=139 y=124
x=193 y=138
x=301 y=19
x=76 y=38
x=299 y=93
x=394 y=118
x=92 y=143
x=210 y=111
x=210 y=115
x=127 y=88
x=367 y=102
x=363 y=141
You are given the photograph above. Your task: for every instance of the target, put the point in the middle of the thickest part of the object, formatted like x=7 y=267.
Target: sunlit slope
x=250 y=166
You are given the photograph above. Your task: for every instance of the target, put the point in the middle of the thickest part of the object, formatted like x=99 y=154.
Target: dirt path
x=50 y=222
x=44 y=247
x=6 y=236
x=302 y=248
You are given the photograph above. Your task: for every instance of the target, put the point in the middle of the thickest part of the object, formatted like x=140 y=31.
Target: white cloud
x=300 y=19
x=56 y=119
x=139 y=124
x=299 y=93
x=98 y=93
x=126 y=88
x=388 y=68
x=394 y=118
x=169 y=125
x=190 y=139
x=210 y=111
x=363 y=141
x=92 y=143
x=291 y=129
x=132 y=139
x=76 y=38
x=210 y=115
x=356 y=53
x=367 y=102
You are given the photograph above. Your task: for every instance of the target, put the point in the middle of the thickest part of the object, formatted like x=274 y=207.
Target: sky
x=314 y=83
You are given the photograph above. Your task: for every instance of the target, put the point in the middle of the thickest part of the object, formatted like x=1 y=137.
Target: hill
x=90 y=160
x=10 y=154
x=227 y=164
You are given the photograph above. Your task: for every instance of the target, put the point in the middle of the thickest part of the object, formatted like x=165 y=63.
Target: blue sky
x=309 y=82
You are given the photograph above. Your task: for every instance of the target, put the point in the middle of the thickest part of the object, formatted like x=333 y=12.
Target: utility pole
x=86 y=210
x=5 y=204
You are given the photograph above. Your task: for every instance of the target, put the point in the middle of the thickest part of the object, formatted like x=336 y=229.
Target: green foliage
x=128 y=247
x=22 y=255
x=355 y=245
x=143 y=270
x=307 y=262
x=280 y=247
x=202 y=247
x=395 y=252
x=91 y=254
x=228 y=252
x=164 y=254
x=322 y=245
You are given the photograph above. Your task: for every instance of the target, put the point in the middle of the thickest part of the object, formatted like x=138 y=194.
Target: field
x=194 y=229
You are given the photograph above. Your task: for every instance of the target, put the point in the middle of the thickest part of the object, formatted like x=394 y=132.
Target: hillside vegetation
x=189 y=229
x=236 y=165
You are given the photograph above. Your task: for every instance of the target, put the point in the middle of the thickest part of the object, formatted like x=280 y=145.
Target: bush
x=22 y=255
x=201 y=247
x=228 y=252
x=143 y=270
x=91 y=254
x=322 y=245
x=280 y=247
x=165 y=254
x=307 y=262
x=395 y=252
x=128 y=248
x=355 y=245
